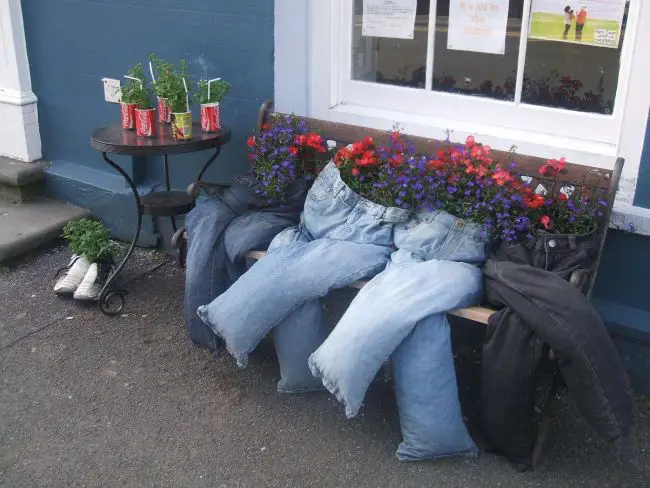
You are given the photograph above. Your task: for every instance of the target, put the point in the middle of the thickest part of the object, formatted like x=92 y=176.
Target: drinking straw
x=187 y=95
x=209 y=83
x=153 y=78
x=136 y=79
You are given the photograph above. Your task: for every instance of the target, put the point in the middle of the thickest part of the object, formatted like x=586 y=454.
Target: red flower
x=553 y=167
x=481 y=171
x=301 y=140
x=534 y=201
x=251 y=141
x=293 y=150
x=546 y=222
x=469 y=142
x=395 y=136
x=356 y=172
x=562 y=197
x=368 y=159
x=435 y=164
x=367 y=141
x=315 y=141
x=501 y=177
x=265 y=127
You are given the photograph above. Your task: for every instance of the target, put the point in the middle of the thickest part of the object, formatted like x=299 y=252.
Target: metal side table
x=116 y=140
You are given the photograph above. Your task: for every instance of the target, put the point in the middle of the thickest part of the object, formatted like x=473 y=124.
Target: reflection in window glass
x=391 y=61
x=573 y=75
x=473 y=73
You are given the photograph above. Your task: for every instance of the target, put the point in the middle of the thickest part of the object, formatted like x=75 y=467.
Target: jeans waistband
x=552 y=243
x=471 y=229
x=332 y=179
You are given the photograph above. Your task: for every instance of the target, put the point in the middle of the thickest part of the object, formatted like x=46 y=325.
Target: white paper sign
x=478 y=26
x=389 y=18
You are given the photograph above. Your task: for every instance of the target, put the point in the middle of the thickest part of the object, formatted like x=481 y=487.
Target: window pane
x=568 y=73
x=391 y=61
x=475 y=73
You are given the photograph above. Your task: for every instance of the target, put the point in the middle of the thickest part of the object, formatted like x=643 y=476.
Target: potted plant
x=210 y=94
x=178 y=100
x=92 y=260
x=130 y=96
x=163 y=76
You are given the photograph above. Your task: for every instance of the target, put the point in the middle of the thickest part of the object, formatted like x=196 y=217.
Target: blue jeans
x=432 y=273
x=342 y=238
x=220 y=231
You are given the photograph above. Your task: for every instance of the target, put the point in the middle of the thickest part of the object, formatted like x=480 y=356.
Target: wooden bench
x=605 y=181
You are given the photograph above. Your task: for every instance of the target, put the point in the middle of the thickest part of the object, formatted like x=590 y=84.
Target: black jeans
x=539 y=307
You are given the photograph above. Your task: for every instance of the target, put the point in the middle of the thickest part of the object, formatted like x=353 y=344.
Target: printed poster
x=478 y=26
x=389 y=18
x=592 y=22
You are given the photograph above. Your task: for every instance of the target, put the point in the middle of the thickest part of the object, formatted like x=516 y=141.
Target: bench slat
x=476 y=314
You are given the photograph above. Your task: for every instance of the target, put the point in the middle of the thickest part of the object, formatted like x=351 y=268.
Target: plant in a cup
x=179 y=104
x=140 y=95
x=132 y=95
x=210 y=94
x=163 y=75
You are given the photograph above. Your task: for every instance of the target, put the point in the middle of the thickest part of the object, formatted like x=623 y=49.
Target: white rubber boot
x=77 y=269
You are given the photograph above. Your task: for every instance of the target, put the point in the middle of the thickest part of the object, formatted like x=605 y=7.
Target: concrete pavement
x=92 y=401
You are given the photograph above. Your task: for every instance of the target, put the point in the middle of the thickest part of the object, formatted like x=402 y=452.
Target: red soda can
x=128 y=115
x=164 y=114
x=211 y=117
x=145 y=122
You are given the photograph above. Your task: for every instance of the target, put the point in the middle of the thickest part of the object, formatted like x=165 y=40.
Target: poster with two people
x=592 y=22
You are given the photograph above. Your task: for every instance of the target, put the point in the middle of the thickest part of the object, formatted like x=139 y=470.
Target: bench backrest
x=603 y=181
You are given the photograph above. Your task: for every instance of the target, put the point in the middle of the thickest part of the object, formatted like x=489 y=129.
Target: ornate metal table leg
x=168 y=187
x=108 y=292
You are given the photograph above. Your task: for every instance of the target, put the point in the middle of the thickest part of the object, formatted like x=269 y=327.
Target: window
x=325 y=68
x=568 y=89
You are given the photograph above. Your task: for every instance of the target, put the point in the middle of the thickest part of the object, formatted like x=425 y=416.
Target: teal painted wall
x=72 y=44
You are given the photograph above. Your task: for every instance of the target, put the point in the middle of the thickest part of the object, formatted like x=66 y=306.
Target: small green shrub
x=90 y=238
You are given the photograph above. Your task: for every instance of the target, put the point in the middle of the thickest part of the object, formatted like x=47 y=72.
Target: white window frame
x=312 y=78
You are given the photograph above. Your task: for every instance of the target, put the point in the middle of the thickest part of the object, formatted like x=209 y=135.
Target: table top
x=116 y=140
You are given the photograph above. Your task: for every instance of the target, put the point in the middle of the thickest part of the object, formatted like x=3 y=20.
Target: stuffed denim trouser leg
x=428 y=276
x=220 y=233
x=427 y=394
x=279 y=283
x=381 y=316
x=349 y=240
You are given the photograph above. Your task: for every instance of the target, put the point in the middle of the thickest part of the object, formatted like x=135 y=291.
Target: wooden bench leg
x=545 y=422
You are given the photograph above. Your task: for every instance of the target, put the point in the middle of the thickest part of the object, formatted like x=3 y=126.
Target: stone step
x=28 y=225
x=20 y=181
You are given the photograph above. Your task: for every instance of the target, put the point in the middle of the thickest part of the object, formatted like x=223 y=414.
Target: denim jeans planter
x=344 y=238
x=431 y=274
x=539 y=288
x=221 y=230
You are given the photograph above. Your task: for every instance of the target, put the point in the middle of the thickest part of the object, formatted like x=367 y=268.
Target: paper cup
x=145 y=122
x=211 y=117
x=128 y=115
x=164 y=114
x=182 y=126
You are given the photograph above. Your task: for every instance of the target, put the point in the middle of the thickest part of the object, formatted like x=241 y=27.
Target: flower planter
x=182 y=125
x=128 y=115
x=164 y=113
x=210 y=117
x=145 y=122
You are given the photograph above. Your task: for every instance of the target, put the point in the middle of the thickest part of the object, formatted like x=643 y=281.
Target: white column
x=19 y=134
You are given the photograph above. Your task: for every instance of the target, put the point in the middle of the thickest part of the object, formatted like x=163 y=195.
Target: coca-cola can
x=182 y=126
x=145 y=122
x=128 y=115
x=164 y=114
x=211 y=117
